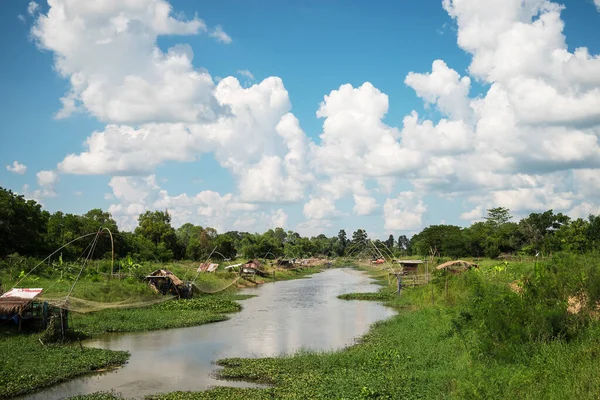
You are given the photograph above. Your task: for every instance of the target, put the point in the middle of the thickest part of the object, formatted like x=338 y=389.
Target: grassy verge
x=477 y=341
x=27 y=365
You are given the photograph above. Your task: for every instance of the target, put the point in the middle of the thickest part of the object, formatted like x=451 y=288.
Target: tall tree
x=390 y=243
x=497 y=216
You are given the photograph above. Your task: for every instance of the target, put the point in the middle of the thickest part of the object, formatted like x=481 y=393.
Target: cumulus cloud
x=141 y=83
x=46 y=180
x=17 y=168
x=404 y=212
x=32 y=7
x=246 y=73
x=364 y=205
x=529 y=141
x=219 y=34
x=136 y=194
x=320 y=208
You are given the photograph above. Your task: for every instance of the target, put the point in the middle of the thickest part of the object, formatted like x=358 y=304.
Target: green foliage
x=22 y=225
x=505 y=318
x=26 y=364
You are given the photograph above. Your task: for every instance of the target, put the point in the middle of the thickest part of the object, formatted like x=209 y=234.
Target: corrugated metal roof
x=23 y=293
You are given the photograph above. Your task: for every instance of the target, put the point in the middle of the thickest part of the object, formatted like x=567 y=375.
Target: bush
x=557 y=302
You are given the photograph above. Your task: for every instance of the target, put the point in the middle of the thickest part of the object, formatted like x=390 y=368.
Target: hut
x=24 y=308
x=164 y=281
x=253 y=267
x=285 y=263
x=456 y=266
x=410 y=266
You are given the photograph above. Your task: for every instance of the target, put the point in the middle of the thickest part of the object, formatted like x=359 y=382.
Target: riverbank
x=28 y=362
x=504 y=330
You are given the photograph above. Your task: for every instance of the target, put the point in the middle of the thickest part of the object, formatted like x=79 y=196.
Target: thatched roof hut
x=15 y=300
x=456 y=266
x=164 y=274
x=164 y=281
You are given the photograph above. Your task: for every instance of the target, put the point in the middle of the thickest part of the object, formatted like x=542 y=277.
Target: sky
x=312 y=115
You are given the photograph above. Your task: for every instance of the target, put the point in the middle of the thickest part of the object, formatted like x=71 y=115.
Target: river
x=285 y=317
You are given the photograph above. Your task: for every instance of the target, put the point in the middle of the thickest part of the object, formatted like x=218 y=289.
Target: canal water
x=284 y=317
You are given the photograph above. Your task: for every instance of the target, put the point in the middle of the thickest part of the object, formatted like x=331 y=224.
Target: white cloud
x=597 y=3
x=219 y=34
x=47 y=178
x=313 y=227
x=32 y=7
x=514 y=145
x=320 y=208
x=278 y=219
x=46 y=181
x=475 y=214
x=141 y=83
x=355 y=140
x=246 y=73
x=445 y=88
x=404 y=213
x=364 y=205
x=17 y=168
x=207 y=208
x=21 y=18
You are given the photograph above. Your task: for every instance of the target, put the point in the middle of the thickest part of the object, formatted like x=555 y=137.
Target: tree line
x=28 y=230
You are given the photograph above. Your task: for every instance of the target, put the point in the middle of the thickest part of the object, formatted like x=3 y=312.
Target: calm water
x=285 y=317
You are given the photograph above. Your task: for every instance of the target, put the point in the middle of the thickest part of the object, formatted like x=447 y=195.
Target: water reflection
x=285 y=317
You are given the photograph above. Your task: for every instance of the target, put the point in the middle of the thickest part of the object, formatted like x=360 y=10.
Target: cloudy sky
x=311 y=115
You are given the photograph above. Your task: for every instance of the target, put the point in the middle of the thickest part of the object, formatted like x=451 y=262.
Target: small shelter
x=456 y=266
x=410 y=266
x=24 y=307
x=208 y=267
x=164 y=281
x=285 y=263
x=253 y=267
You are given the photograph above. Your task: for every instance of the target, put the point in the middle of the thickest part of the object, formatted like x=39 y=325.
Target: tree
x=390 y=243
x=538 y=230
x=22 y=225
x=403 y=244
x=359 y=241
x=443 y=240
x=341 y=243
x=155 y=226
x=497 y=216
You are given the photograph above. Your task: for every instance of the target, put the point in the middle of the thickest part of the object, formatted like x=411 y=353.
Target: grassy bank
x=502 y=331
x=27 y=364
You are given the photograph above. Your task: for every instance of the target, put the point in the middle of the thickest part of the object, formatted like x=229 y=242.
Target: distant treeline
x=28 y=230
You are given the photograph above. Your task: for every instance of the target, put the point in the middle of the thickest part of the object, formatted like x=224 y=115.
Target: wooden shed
x=410 y=266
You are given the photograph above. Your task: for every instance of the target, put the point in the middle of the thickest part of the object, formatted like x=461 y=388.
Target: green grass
x=421 y=354
x=26 y=365
x=170 y=314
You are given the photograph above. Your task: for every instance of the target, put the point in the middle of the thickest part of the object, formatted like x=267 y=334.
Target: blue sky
x=407 y=176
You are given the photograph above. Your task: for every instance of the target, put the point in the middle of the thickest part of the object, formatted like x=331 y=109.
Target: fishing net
x=85 y=306
x=213 y=283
